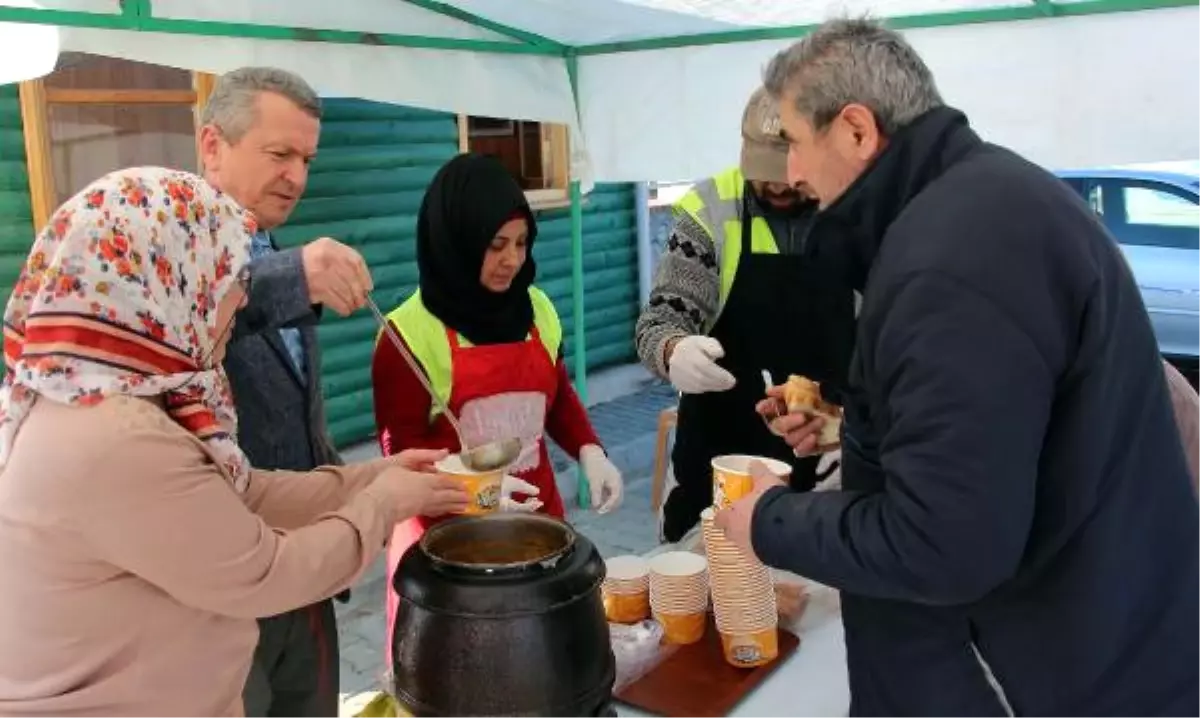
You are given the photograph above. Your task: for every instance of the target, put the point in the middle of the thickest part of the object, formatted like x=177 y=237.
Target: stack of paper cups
x=679 y=595
x=743 y=599
x=626 y=589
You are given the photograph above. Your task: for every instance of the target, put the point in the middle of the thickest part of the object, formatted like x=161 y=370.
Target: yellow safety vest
x=426 y=337
x=716 y=205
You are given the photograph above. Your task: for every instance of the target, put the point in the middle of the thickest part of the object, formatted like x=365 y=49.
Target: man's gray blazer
x=281 y=415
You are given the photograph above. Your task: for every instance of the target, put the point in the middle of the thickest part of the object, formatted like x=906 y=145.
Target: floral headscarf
x=119 y=296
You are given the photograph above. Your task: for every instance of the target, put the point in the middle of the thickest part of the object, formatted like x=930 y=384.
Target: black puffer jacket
x=1016 y=490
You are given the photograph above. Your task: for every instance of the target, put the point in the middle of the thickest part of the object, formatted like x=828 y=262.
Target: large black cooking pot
x=501 y=615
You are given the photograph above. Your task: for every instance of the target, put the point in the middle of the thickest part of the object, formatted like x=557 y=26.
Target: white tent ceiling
x=1066 y=91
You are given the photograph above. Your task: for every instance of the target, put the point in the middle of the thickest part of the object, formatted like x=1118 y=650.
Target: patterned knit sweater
x=686 y=296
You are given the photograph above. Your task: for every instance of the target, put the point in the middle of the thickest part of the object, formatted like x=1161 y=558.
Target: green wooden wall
x=16 y=222
x=365 y=188
x=610 y=273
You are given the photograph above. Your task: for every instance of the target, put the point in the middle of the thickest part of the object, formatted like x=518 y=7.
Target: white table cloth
x=810 y=682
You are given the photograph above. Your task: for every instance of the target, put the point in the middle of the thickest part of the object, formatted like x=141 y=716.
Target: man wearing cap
x=742 y=288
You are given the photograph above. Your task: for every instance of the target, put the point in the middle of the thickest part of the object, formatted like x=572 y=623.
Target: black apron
x=786 y=314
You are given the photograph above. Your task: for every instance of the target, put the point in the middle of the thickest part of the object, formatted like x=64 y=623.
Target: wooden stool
x=666 y=422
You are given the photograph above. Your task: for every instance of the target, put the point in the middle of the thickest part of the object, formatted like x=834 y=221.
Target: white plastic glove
x=510 y=485
x=604 y=479
x=693 y=366
x=833 y=482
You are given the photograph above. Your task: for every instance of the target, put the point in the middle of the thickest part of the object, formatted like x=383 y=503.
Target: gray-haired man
x=259 y=133
x=1018 y=532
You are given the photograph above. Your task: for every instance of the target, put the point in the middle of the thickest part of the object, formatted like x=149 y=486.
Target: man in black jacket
x=1017 y=531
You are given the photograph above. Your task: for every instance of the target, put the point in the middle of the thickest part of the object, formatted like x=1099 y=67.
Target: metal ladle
x=485 y=457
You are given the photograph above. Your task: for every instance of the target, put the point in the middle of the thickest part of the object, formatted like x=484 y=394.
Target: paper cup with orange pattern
x=682 y=628
x=743 y=595
x=679 y=595
x=747 y=649
x=746 y=619
x=624 y=608
x=731 y=476
x=483 y=486
x=679 y=582
x=626 y=589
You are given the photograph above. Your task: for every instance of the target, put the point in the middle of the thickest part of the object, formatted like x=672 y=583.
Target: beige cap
x=764 y=151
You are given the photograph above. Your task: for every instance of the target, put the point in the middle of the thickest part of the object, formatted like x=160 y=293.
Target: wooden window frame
x=555 y=144
x=35 y=99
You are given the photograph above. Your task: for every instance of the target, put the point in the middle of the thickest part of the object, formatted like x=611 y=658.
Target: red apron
x=496 y=390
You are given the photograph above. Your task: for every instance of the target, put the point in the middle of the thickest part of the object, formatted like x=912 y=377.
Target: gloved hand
x=604 y=479
x=693 y=366
x=832 y=482
x=510 y=485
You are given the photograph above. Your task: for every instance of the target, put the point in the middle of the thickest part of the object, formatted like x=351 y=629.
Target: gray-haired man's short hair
x=232 y=106
x=854 y=61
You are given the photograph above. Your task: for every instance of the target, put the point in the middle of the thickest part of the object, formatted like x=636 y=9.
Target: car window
x=1154 y=207
x=1148 y=213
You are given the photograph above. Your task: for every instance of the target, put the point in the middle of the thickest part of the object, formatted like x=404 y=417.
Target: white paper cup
x=731 y=476
x=678 y=564
x=627 y=569
x=483 y=486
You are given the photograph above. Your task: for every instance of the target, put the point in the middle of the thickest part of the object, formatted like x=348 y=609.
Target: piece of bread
x=831 y=430
x=803 y=396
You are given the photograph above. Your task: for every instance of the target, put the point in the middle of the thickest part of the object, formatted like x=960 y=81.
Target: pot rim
x=548 y=560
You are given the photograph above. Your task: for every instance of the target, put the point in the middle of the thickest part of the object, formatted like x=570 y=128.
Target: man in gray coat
x=259 y=133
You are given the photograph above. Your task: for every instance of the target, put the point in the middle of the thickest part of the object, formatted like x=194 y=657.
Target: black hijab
x=470 y=198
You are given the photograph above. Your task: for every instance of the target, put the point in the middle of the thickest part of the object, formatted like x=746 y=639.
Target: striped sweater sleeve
x=686 y=295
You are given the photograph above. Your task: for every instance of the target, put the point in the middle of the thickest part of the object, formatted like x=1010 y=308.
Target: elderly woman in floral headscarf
x=137 y=546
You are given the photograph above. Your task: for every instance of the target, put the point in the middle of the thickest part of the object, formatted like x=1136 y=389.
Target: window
x=1147 y=213
x=96 y=114
x=535 y=153
x=1091 y=192
x=1155 y=207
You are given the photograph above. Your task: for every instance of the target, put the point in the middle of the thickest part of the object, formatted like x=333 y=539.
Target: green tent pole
x=579 y=330
x=577 y=312
x=447 y=10
x=136 y=16
x=581 y=379
x=136 y=10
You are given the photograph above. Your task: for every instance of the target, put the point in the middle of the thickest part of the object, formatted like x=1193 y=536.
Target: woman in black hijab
x=475 y=225
x=488 y=340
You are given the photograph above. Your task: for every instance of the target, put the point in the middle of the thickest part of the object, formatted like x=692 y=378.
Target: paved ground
x=627 y=427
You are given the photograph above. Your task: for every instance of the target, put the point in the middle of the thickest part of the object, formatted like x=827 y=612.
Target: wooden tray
x=695 y=680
